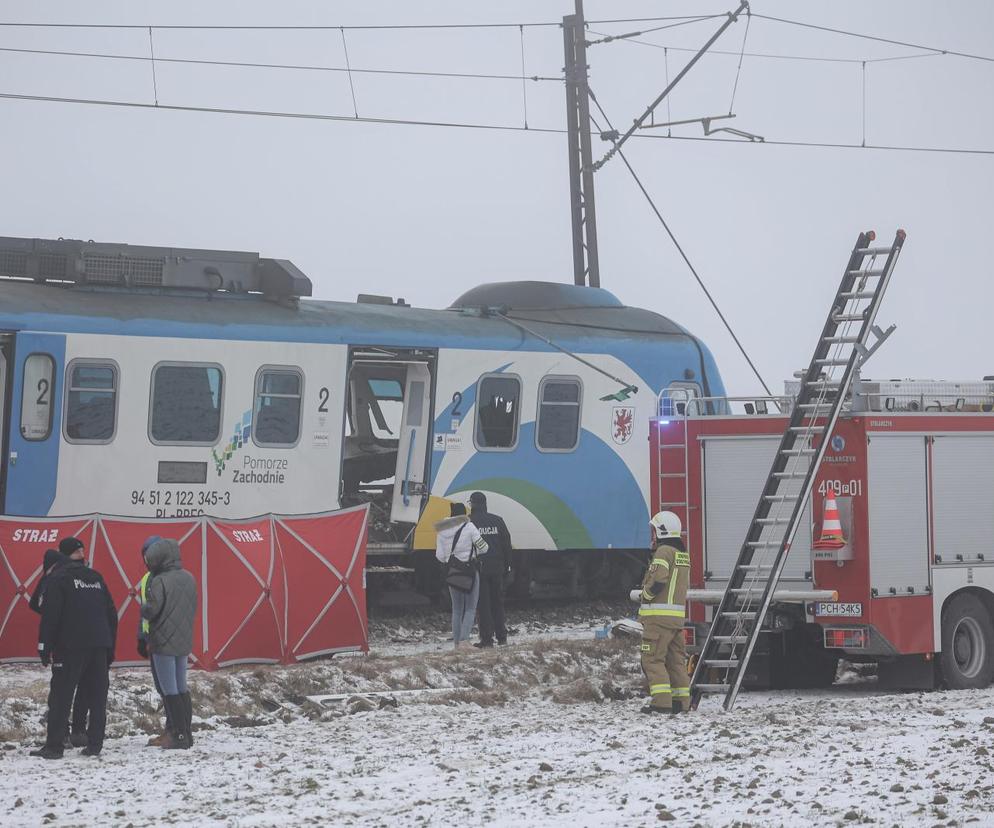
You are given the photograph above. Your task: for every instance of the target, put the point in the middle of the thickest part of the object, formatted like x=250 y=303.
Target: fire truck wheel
x=967 y=640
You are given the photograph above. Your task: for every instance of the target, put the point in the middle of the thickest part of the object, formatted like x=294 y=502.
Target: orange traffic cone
x=831 y=526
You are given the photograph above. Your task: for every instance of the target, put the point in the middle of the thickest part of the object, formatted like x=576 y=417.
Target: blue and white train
x=162 y=382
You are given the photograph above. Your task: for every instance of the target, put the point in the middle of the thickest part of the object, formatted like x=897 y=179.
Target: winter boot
x=678 y=706
x=46 y=752
x=651 y=709
x=175 y=737
x=187 y=717
x=156 y=741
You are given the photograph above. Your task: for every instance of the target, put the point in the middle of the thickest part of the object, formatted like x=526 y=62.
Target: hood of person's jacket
x=451 y=522
x=53 y=558
x=163 y=555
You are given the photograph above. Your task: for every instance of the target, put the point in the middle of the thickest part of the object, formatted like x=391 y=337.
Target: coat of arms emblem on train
x=622 y=424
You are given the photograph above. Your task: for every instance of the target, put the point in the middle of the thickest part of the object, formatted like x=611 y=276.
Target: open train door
x=410 y=487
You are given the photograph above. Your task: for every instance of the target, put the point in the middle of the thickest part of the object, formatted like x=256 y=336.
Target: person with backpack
x=170 y=606
x=458 y=543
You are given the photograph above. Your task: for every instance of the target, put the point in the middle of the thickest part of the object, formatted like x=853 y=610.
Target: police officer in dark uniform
x=494 y=564
x=77 y=635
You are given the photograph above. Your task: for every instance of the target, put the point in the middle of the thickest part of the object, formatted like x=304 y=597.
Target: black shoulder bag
x=460 y=575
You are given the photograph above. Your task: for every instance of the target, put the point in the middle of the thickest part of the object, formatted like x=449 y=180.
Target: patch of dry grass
x=565 y=672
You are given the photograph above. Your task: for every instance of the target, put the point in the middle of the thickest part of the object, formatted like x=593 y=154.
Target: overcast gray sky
x=426 y=212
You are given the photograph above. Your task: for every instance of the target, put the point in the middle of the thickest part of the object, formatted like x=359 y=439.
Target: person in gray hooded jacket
x=170 y=606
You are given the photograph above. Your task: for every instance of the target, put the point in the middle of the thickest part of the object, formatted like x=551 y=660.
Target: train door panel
x=388 y=436
x=34 y=418
x=6 y=363
x=412 y=451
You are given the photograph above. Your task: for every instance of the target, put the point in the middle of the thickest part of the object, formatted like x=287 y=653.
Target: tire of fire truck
x=967 y=657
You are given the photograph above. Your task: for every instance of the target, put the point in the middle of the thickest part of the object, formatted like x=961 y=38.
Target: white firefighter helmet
x=665 y=525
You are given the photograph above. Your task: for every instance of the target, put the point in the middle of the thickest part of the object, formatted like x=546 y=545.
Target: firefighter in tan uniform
x=662 y=609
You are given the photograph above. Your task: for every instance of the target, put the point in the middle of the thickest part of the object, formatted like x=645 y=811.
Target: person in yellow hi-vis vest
x=663 y=600
x=143 y=629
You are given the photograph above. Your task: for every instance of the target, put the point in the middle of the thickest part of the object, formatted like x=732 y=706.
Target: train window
x=36 y=397
x=558 y=427
x=497 y=412
x=277 y=407
x=91 y=401
x=387 y=389
x=186 y=403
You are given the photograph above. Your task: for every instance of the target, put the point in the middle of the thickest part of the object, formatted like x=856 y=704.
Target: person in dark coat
x=170 y=606
x=75 y=735
x=494 y=565
x=77 y=634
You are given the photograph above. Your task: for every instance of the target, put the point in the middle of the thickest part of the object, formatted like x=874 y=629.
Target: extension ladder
x=842 y=347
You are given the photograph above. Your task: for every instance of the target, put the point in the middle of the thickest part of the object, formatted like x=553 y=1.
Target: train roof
x=230 y=295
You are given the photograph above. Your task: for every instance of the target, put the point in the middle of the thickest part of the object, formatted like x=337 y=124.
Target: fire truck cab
x=909 y=475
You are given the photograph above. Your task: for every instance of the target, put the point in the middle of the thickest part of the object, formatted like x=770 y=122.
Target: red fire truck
x=909 y=474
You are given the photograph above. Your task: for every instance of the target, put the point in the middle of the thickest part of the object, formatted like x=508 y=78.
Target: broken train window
x=497 y=412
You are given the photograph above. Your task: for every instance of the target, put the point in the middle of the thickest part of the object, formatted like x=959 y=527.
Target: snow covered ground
x=546 y=732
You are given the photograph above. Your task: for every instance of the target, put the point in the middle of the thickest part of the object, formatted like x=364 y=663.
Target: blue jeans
x=171 y=672
x=464 y=610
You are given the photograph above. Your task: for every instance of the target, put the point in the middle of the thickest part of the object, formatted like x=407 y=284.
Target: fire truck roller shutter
x=897 y=489
x=734 y=473
x=963 y=498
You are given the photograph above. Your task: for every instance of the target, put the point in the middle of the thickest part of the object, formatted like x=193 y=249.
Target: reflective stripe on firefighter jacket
x=142 y=586
x=664 y=588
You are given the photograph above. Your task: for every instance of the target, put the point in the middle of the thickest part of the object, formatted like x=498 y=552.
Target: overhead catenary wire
x=151 y=51
x=499 y=25
x=316 y=116
x=307 y=27
x=682 y=252
x=501 y=315
x=609 y=38
x=348 y=69
x=524 y=88
x=878 y=39
x=481 y=75
x=928 y=50
x=781 y=56
x=303 y=67
x=738 y=71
